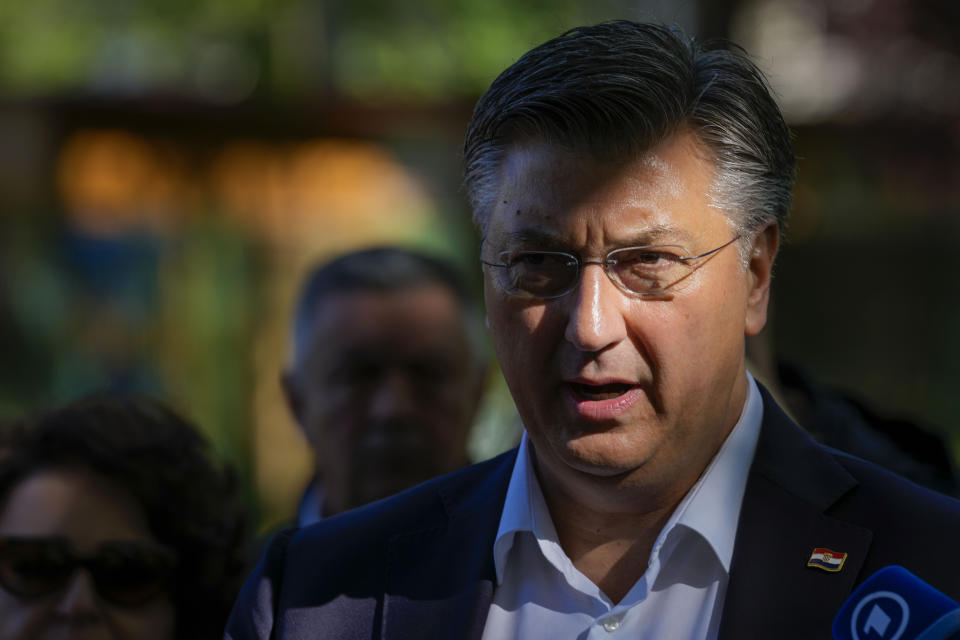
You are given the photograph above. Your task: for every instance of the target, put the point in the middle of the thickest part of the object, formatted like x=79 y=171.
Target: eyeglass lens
x=124 y=573
x=640 y=270
x=541 y=274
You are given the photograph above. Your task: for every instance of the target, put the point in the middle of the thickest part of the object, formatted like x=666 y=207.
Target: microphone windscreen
x=894 y=604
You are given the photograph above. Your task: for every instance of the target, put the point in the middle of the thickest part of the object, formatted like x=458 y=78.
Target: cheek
x=21 y=620
x=155 y=622
x=510 y=319
x=660 y=331
x=520 y=329
x=454 y=402
x=712 y=335
x=677 y=338
x=328 y=411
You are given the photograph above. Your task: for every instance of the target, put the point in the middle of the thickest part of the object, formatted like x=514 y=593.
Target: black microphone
x=894 y=604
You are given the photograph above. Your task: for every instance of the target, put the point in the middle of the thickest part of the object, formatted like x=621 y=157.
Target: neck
x=612 y=552
x=610 y=534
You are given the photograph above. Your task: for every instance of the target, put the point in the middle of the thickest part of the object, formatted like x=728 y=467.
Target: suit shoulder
x=846 y=485
x=349 y=553
x=425 y=506
x=910 y=525
x=894 y=507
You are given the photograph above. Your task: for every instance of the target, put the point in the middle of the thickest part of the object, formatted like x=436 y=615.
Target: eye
x=648 y=270
x=647 y=258
x=354 y=369
x=539 y=260
x=431 y=370
x=537 y=274
x=650 y=257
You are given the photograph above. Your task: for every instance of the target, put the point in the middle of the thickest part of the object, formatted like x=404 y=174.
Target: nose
x=596 y=313
x=79 y=601
x=393 y=396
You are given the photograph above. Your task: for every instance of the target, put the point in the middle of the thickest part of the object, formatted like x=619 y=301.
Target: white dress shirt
x=540 y=594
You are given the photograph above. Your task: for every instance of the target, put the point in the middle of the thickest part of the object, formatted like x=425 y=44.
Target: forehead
x=399 y=319
x=81 y=506
x=661 y=196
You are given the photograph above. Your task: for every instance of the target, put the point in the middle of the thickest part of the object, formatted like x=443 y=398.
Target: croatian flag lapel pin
x=827 y=560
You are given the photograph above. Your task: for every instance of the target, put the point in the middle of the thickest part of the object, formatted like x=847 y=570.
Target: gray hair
x=617 y=89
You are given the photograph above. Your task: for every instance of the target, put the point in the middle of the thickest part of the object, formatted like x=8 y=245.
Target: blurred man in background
x=385 y=375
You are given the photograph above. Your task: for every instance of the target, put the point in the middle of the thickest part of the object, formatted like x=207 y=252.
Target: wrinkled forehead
x=545 y=191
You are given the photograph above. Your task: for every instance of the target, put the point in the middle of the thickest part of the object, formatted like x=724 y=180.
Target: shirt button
x=611 y=624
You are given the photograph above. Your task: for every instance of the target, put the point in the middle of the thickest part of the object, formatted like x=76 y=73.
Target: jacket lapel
x=772 y=592
x=440 y=577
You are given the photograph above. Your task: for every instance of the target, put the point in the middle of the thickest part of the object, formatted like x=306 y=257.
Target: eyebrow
x=659 y=234
x=533 y=237
x=656 y=234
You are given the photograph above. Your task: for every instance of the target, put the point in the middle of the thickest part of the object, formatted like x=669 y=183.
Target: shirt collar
x=524 y=509
x=711 y=507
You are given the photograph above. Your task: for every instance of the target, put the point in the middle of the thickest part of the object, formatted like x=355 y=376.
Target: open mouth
x=598 y=392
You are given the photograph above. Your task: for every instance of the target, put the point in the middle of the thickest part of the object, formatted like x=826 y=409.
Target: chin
x=604 y=454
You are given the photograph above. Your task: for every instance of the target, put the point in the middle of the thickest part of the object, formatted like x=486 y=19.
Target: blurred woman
x=115 y=524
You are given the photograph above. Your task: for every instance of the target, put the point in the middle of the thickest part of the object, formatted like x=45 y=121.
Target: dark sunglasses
x=124 y=573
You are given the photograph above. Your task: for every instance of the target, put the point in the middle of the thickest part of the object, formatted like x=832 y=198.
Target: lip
x=601 y=410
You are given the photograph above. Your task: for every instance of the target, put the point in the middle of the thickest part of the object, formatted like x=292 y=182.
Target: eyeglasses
x=645 y=271
x=124 y=573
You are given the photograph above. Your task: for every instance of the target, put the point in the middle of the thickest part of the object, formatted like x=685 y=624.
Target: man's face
x=387 y=393
x=613 y=388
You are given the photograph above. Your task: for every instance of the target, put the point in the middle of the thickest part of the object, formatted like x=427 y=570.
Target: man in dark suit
x=629 y=185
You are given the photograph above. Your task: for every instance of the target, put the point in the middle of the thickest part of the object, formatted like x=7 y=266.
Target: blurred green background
x=169 y=169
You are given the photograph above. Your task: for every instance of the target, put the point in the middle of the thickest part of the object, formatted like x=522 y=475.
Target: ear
x=762 y=254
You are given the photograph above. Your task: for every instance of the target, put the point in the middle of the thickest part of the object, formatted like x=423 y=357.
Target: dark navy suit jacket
x=420 y=564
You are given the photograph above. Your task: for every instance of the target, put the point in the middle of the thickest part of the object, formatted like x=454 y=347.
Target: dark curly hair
x=191 y=506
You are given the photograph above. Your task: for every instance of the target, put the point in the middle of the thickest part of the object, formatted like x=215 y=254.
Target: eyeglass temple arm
x=707 y=253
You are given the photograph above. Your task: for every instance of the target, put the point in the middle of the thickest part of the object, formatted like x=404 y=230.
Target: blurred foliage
x=231 y=50
x=126 y=47
x=445 y=46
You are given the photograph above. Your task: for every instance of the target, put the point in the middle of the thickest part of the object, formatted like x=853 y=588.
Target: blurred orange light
x=331 y=188
x=323 y=192
x=112 y=181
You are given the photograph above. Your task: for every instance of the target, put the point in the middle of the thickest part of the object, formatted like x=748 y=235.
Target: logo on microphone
x=894 y=604
x=882 y=615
